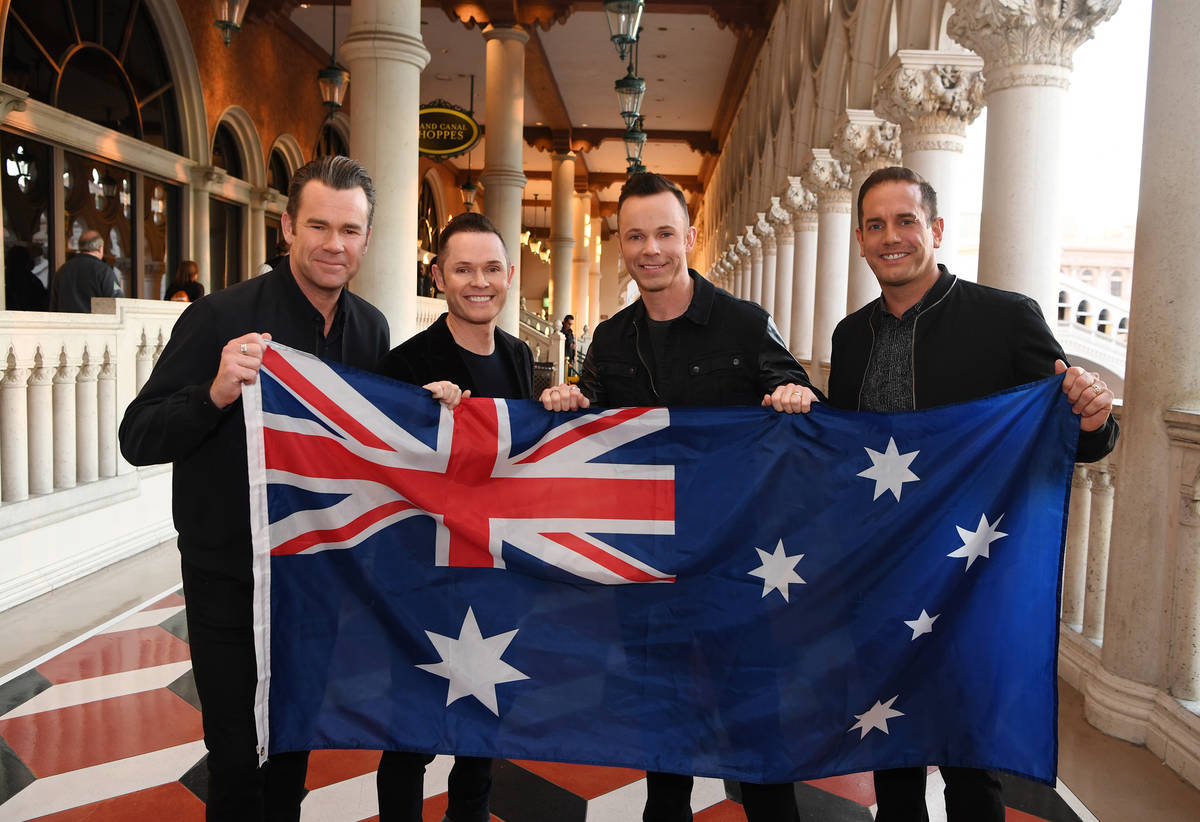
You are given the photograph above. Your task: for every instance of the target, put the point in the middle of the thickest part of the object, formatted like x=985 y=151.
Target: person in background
x=84 y=276
x=185 y=288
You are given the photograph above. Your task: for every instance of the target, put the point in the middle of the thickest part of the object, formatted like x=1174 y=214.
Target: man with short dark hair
x=684 y=342
x=462 y=354
x=84 y=276
x=931 y=339
x=189 y=413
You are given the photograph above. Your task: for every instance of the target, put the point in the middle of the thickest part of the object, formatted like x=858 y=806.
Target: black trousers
x=219 y=619
x=669 y=795
x=972 y=795
x=400 y=784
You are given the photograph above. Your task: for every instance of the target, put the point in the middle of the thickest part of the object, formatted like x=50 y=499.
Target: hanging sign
x=446 y=130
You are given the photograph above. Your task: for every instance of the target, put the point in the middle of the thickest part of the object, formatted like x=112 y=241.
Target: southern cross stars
x=778 y=570
x=877 y=717
x=890 y=469
x=472 y=663
x=922 y=624
x=975 y=543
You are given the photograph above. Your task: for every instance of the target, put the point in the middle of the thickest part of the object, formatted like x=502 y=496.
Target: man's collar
x=932 y=294
x=699 y=308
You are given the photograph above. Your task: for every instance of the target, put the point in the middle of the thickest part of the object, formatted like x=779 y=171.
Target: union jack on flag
x=362 y=472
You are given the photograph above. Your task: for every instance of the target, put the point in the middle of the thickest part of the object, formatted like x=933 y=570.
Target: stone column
x=743 y=262
x=829 y=179
x=1079 y=521
x=581 y=208
x=63 y=397
x=801 y=205
x=1162 y=371
x=562 y=237
x=785 y=245
x=934 y=96
x=258 y=230
x=106 y=415
x=594 y=274
x=1026 y=49
x=754 y=245
x=87 y=432
x=1099 y=540
x=385 y=55
x=41 y=427
x=202 y=178
x=766 y=234
x=14 y=428
x=865 y=143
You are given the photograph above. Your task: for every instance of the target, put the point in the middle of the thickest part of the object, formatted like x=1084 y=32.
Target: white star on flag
x=472 y=663
x=890 y=469
x=877 y=717
x=922 y=624
x=778 y=570
x=975 y=543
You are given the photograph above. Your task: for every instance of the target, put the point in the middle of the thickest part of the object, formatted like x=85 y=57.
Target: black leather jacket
x=721 y=351
x=970 y=340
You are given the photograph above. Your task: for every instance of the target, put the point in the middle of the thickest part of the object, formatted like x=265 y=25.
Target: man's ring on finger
x=243 y=348
x=1096 y=387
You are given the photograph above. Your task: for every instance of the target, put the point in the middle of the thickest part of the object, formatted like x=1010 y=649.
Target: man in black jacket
x=931 y=339
x=84 y=276
x=189 y=413
x=685 y=342
x=461 y=354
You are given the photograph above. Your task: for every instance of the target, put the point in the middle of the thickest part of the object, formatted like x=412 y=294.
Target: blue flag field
x=726 y=592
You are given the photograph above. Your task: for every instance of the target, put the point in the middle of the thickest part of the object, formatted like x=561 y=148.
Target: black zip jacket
x=721 y=351
x=969 y=341
x=432 y=355
x=173 y=419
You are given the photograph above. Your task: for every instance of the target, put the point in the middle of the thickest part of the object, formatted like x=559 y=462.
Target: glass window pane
x=26 y=194
x=98 y=203
x=225 y=243
x=160 y=229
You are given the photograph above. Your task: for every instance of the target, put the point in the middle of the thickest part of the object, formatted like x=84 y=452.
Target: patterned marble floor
x=108 y=728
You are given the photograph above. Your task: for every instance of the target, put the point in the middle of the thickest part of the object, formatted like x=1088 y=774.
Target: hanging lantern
x=332 y=79
x=624 y=18
x=468 y=192
x=229 y=14
x=635 y=142
x=630 y=90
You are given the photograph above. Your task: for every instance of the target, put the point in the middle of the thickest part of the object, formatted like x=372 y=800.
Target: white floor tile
x=101 y=687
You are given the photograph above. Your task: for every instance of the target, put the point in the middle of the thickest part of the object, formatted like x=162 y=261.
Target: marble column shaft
x=580 y=214
x=830 y=180
x=385 y=55
x=785 y=254
x=562 y=233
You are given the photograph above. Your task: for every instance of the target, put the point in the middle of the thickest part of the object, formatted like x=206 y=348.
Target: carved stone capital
x=865 y=141
x=1009 y=33
x=741 y=249
x=827 y=176
x=780 y=219
x=930 y=93
x=754 y=244
x=797 y=199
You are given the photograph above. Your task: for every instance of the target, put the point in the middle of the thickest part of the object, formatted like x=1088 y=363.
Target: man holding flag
x=929 y=340
x=190 y=413
x=462 y=354
x=685 y=342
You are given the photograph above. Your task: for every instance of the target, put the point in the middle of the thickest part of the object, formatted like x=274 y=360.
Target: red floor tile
x=169 y=601
x=171 y=801
x=724 y=811
x=1011 y=815
x=67 y=739
x=587 y=781
x=857 y=787
x=114 y=653
x=328 y=767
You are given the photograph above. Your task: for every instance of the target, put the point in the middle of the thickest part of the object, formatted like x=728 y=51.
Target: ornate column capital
x=930 y=93
x=780 y=219
x=208 y=178
x=865 y=141
x=800 y=202
x=1013 y=35
x=741 y=249
x=829 y=179
x=753 y=244
x=765 y=233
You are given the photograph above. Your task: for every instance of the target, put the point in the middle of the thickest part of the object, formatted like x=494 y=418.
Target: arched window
x=1104 y=322
x=1116 y=283
x=278 y=175
x=226 y=154
x=428 y=236
x=1087 y=275
x=330 y=142
x=1083 y=315
x=1123 y=329
x=1064 y=306
x=103 y=62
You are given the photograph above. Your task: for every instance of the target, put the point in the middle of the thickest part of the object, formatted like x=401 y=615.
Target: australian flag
x=726 y=592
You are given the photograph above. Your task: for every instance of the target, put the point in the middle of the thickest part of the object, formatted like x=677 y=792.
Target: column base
x=1132 y=711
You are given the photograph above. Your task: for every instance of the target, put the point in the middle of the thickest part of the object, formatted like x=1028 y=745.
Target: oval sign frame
x=446 y=147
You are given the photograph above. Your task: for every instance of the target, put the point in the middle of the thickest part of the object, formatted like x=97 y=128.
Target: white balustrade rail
x=1165 y=718
x=68 y=503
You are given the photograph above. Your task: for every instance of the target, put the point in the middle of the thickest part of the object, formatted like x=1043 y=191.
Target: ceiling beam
x=587 y=139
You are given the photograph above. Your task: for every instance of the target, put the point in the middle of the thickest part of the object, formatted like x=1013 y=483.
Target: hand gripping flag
x=725 y=592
